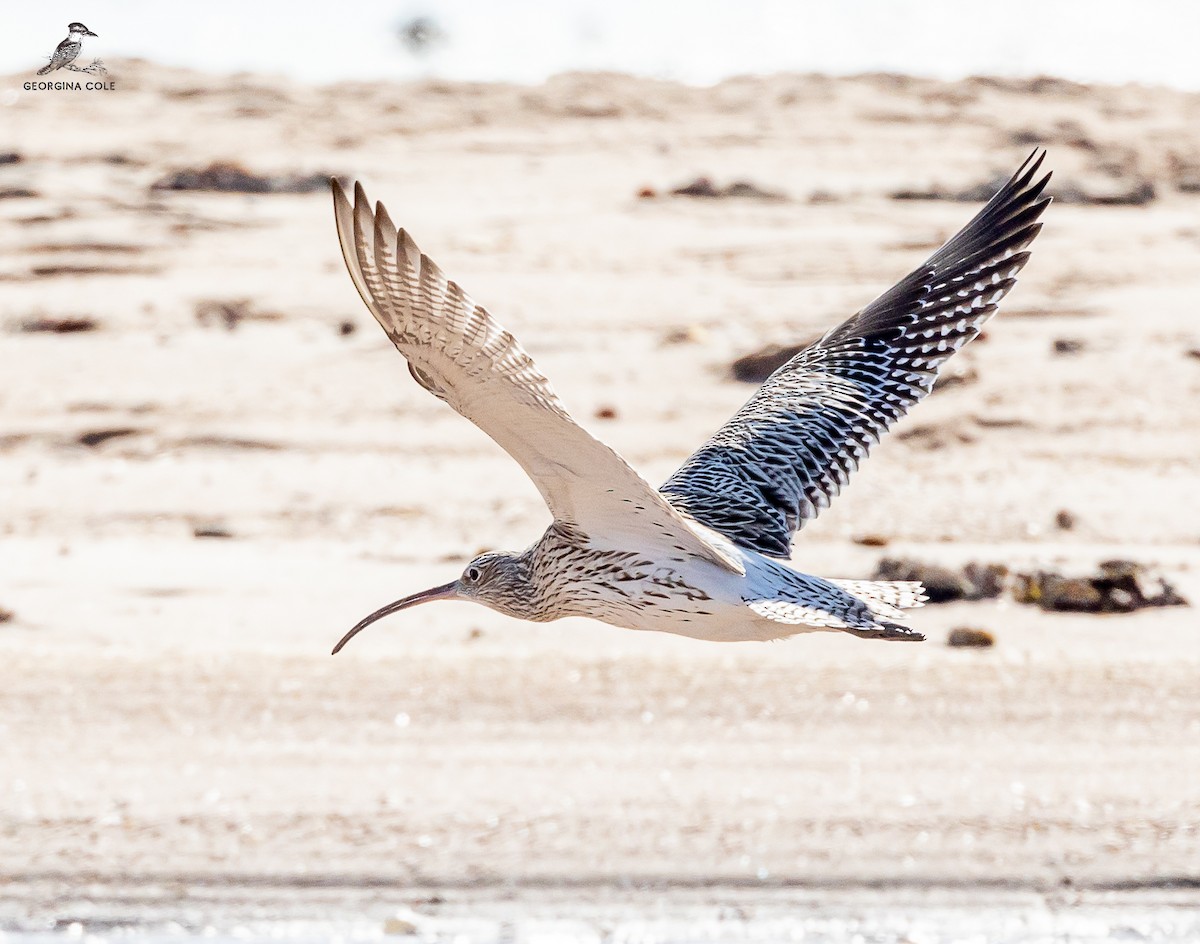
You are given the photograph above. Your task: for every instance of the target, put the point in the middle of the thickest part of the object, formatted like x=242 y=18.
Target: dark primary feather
x=792 y=447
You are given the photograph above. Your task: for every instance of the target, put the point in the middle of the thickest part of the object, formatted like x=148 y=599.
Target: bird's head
x=495 y=579
x=80 y=29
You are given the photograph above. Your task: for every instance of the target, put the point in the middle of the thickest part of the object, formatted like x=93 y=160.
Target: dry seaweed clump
x=1130 y=190
x=970 y=637
x=946 y=584
x=757 y=366
x=42 y=324
x=228 y=177
x=1119 y=586
x=704 y=188
x=211 y=530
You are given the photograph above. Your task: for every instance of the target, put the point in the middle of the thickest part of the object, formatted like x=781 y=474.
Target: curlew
x=704 y=555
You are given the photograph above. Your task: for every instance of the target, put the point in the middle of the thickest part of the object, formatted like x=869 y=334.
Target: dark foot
x=886 y=630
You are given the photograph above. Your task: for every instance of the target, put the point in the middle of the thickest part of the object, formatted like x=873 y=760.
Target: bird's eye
x=472 y=574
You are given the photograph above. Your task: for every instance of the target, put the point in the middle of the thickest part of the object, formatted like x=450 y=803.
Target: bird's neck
x=534 y=603
x=551 y=564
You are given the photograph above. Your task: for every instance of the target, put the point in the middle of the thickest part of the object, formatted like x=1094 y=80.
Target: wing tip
x=1024 y=188
x=385 y=229
x=360 y=195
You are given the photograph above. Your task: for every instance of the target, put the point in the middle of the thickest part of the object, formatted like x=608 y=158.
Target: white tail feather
x=886 y=598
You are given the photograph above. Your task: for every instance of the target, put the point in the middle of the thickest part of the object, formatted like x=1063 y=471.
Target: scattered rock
x=1136 y=191
x=347 y=328
x=1064 y=520
x=757 y=366
x=1194 y=353
x=98 y=247
x=1065 y=347
x=6 y=615
x=974 y=581
x=9 y=157
x=988 y=580
x=94 y=437
x=976 y=194
x=606 y=413
x=820 y=197
x=232 y=312
x=968 y=637
x=942 y=584
x=1184 y=170
x=1066 y=132
x=1146 y=589
x=700 y=187
x=692 y=334
x=228 y=177
x=744 y=188
x=647 y=193
x=705 y=188
x=48 y=325
x=872 y=540
x=211 y=531
x=48 y=271
x=593 y=109
x=1000 y=422
x=1052 y=591
x=18 y=193
x=1189 y=184
x=226 y=442
x=1119 y=586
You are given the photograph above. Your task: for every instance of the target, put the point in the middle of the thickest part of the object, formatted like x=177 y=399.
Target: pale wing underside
x=781 y=459
x=458 y=352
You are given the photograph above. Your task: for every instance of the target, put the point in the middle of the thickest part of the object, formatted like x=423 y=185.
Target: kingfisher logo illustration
x=65 y=58
x=68 y=51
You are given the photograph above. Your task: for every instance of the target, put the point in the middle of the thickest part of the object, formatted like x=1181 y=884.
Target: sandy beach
x=176 y=742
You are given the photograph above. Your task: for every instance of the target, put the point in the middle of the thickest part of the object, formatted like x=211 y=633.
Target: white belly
x=696 y=599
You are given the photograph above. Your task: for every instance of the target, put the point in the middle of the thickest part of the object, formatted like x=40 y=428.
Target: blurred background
x=212 y=463
x=527 y=41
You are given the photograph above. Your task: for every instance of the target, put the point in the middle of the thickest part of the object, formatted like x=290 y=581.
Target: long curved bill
x=448 y=591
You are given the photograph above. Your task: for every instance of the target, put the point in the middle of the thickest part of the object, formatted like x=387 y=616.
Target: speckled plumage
x=694 y=558
x=789 y=451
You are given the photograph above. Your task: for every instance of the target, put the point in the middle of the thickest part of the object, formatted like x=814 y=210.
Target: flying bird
x=704 y=555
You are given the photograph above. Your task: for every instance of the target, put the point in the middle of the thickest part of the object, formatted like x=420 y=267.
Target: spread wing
x=781 y=459
x=458 y=352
